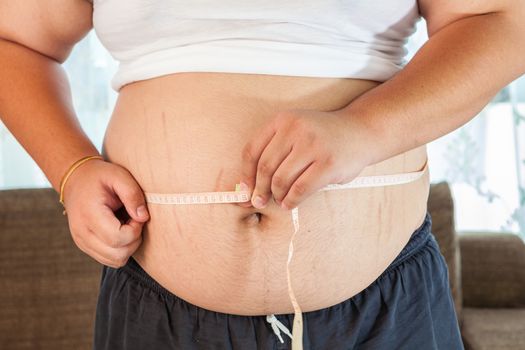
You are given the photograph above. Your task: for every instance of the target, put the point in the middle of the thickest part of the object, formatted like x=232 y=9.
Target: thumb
x=132 y=197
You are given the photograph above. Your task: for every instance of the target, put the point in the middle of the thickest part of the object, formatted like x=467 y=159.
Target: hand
x=92 y=194
x=301 y=151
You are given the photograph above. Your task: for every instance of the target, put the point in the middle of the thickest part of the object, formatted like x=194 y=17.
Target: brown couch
x=487 y=278
x=49 y=287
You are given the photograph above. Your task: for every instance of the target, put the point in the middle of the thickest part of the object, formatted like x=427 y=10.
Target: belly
x=184 y=132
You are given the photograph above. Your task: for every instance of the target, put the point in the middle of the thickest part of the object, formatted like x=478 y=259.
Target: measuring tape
x=239 y=196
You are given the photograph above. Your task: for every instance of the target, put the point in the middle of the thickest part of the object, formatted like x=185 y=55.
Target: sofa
x=487 y=277
x=50 y=288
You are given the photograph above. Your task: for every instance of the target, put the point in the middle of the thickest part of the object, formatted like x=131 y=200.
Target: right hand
x=92 y=196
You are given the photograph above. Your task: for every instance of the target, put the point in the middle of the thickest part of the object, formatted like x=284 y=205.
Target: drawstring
x=276 y=325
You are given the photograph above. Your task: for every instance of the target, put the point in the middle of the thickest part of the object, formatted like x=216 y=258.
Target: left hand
x=299 y=152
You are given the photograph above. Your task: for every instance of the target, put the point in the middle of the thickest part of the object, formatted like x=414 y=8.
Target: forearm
x=448 y=82
x=36 y=107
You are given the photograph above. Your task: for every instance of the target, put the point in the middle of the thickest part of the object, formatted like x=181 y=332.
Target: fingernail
x=142 y=212
x=258 y=202
x=244 y=187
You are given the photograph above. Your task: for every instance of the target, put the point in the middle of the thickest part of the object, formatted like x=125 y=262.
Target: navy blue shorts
x=409 y=306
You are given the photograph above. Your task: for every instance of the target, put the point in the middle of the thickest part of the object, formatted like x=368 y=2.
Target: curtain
x=483 y=161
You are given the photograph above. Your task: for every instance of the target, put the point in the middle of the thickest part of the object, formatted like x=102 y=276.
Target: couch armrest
x=493 y=269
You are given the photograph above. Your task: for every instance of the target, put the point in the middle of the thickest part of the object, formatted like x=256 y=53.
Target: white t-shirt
x=363 y=39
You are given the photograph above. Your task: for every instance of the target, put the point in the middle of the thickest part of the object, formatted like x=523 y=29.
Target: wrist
x=368 y=139
x=58 y=164
x=66 y=178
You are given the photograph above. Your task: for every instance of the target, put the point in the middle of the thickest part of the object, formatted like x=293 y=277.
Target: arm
x=475 y=48
x=35 y=100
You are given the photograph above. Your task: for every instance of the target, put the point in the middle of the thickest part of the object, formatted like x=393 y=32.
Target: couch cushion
x=493 y=269
x=49 y=286
x=490 y=329
x=441 y=208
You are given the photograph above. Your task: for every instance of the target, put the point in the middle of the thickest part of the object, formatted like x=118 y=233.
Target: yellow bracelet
x=68 y=173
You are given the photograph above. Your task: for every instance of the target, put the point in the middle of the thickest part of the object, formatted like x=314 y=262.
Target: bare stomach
x=184 y=132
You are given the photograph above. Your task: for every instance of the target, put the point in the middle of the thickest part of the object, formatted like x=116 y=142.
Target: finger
x=288 y=172
x=272 y=157
x=109 y=229
x=132 y=196
x=106 y=255
x=251 y=153
x=310 y=181
x=90 y=244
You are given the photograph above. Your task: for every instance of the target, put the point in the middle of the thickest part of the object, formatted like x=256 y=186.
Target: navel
x=252 y=219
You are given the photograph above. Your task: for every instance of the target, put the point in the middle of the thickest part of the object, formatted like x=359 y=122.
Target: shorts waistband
x=132 y=267
x=417 y=240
